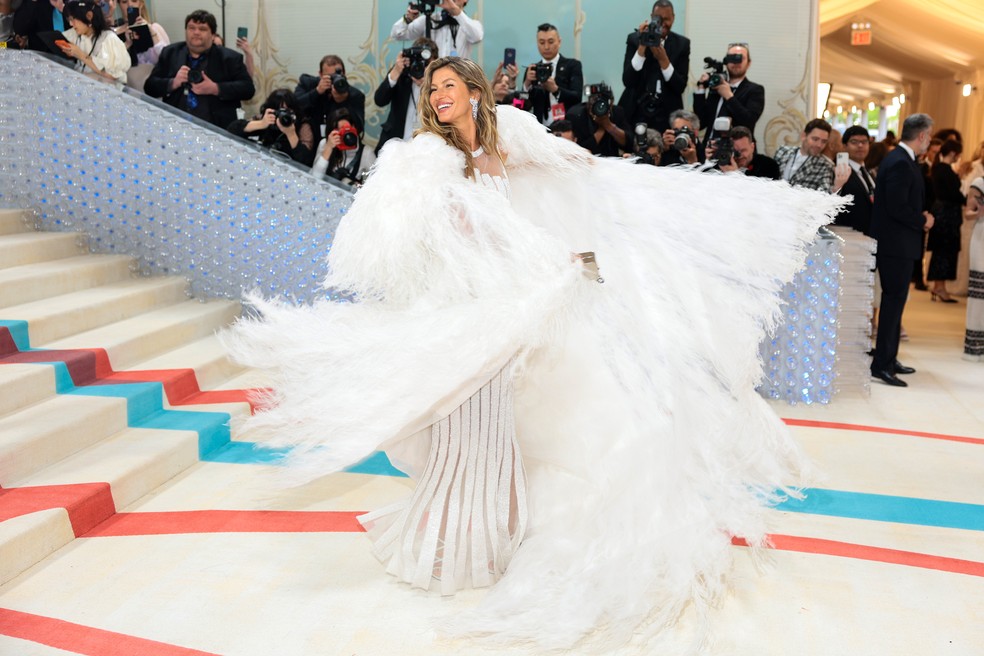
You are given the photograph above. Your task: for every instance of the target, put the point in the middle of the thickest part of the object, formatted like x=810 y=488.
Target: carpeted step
x=53 y=318
x=206 y=357
x=28 y=539
x=135 y=340
x=30 y=247
x=23 y=385
x=47 y=432
x=13 y=221
x=33 y=282
x=133 y=462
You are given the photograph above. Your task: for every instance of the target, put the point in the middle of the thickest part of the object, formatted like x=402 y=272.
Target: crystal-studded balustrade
x=142 y=179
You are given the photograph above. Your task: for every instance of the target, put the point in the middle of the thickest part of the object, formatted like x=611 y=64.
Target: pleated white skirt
x=469 y=511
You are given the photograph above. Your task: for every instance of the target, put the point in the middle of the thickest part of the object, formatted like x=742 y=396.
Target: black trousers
x=895 y=273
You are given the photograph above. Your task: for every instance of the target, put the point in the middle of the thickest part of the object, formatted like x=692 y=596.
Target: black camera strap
x=352 y=169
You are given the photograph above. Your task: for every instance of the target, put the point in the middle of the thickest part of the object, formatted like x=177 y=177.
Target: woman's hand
x=262 y=123
x=331 y=143
x=72 y=50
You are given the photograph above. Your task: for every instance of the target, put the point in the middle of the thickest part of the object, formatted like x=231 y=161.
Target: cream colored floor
x=313 y=594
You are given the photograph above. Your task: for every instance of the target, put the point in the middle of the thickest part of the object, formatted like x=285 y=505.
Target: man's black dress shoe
x=889 y=378
x=902 y=369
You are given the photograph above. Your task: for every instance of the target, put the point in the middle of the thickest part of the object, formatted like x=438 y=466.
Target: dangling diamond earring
x=474 y=104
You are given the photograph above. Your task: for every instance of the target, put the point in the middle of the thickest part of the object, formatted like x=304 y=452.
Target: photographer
x=744 y=158
x=279 y=127
x=320 y=95
x=648 y=146
x=343 y=154
x=401 y=91
x=655 y=70
x=680 y=142
x=555 y=84
x=199 y=77
x=453 y=31
x=734 y=95
x=599 y=125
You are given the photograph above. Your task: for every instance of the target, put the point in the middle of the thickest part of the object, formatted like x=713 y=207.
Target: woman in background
x=157 y=33
x=280 y=126
x=944 y=236
x=98 y=51
x=974 y=337
x=343 y=154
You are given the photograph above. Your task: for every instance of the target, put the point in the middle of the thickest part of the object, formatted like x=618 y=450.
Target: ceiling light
x=871 y=106
x=840 y=109
x=854 y=109
x=967 y=89
x=901 y=98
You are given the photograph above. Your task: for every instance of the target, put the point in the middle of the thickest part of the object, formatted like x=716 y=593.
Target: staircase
x=108 y=387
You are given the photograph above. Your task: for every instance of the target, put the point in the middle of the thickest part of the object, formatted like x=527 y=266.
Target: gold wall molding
x=270 y=72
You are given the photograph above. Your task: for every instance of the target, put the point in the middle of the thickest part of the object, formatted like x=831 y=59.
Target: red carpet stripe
x=873 y=554
x=807 y=423
x=80 y=639
x=88 y=504
x=227 y=521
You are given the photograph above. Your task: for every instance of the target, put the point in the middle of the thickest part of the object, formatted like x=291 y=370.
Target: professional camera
x=649 y=103
x=652 y=36
x=600 y=99
x=285 y=116
x=719 y=70
x=419 y=57
x=723 y=145
x=339 y=83
x=195 y=76
x=349 y=136
x=543 y=72
x=683 y=138
x=641 y=140
x=425 y=6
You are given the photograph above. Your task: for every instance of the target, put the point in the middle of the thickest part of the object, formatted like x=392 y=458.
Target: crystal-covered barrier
x=142 y=179
x=820 y=348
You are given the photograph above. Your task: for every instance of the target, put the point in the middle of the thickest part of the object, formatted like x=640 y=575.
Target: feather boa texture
x=635 y=398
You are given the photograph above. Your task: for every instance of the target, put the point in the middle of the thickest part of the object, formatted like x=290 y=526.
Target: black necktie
x=867 y=180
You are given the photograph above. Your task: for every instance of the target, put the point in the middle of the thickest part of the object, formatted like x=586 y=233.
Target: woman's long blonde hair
x=968 y=165
x=485 y=123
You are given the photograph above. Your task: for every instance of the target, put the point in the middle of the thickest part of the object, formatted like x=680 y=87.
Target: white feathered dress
x=644 y=443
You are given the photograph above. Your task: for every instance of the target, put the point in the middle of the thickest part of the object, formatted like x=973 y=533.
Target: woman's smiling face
x=449 y=96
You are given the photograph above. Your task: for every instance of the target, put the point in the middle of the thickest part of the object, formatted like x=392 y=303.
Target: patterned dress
x=974 y=338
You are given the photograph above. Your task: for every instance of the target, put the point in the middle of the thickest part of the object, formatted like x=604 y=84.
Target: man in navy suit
x=860 y=185
x=655 y=77
x=553 y=98
x=899 y=223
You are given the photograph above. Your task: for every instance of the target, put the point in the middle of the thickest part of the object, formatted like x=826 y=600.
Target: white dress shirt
x=470 y=32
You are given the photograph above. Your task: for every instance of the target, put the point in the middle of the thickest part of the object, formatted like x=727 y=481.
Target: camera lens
x=350 y=139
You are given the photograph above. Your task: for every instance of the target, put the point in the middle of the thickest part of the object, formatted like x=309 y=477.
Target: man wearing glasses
x=739 y=97
x=860 y=185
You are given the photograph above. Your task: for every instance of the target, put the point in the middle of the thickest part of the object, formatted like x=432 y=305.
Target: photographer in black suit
x=899 y=223
x=563 y=86
x=401 y=91
x=199 y=77
x=655 y=70
x=322 y=95
x=599 y=125
x=861 y=184
x=737 y=97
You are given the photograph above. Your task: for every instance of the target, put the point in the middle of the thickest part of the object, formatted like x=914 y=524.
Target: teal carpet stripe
x=883 y=508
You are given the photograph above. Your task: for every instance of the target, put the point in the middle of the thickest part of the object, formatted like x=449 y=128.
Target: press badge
x=557 y=112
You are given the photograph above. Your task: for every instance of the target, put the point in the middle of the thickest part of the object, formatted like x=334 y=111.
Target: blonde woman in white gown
x=590 y=449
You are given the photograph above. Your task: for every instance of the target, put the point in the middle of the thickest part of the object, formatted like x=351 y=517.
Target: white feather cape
x=645 y=444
